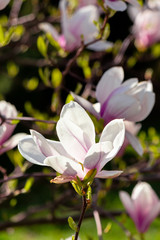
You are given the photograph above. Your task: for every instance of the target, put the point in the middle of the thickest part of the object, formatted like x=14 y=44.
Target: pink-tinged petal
x=144 y=197
x=108 y=174
x=113 y=132
x=61 y=179
x=121 y=106
x=87 y=105
x=96 y=154
x=110 y=80
x=7 y=110
x=146 y=106
x=82 y=23
x=134 y=142
x=48 y=28
x=12 y=142
x=116 y=5
x=65 y=24
x=75 y=113
x=3 y=3
x=128 y=204
x=64 y=165
x=73 y=139
x=130 y=83
x=30 y=151
x=150 y=217
x=100 y=46
x=48 y=147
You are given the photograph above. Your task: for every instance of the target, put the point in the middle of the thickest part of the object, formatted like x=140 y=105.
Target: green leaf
x=89 y=193
x=41 y=45
x=77 y=188
x=72 y=224
x=89 y=176
x=29 y=184
x=56 y=77
x=1 y=35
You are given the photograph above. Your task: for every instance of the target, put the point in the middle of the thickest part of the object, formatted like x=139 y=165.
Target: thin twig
x=84 y=206
x=8 y=120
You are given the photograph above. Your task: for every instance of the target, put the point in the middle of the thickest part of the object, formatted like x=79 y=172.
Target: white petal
x=128 y=204
x=75 y=113
x=73 y=139
x=146 y=106
x=113 y=132
x=3 y=3
x=110 y=80
x=63 y=165
x=87 y=105
x=12 y=142
x=117 y=5
x=30 y=151
x=108 y=174
x=100 y=46
x=82 y=23
x=134 y=142
x=48 y=147
x=48 y=28
x=96 y=154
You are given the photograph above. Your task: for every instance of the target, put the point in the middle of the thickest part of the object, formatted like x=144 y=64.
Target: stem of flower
x=84 y=206
x=142 y=236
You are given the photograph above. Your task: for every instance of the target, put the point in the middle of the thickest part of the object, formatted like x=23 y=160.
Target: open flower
x=146 y=28
x=77 y=152
x=143 y=206
x=3 y=3
x=7 y=110
x=77 y=27
x=131 y=100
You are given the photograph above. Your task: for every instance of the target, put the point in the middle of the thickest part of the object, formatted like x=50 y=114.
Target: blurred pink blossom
x=77 y=27
x=77 y=152
x=143 y=206
x=146 y=28
x=131 y=100
x=7 y=110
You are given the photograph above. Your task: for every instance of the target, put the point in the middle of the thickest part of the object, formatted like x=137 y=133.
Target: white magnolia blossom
x=7 y=142
x=130 y=100
x=77 y=27
x=77 y=152
x=143 y=206
x=153 y=4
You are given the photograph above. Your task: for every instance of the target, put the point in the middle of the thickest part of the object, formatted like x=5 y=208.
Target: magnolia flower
x=119 y=5
x=77 y=152
x=146 y=28
x=77 y=27
x=130 y=100
x=154 y=4
x=132 y=130
x=143 y=206
x=3 y=3
x=7 y=110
